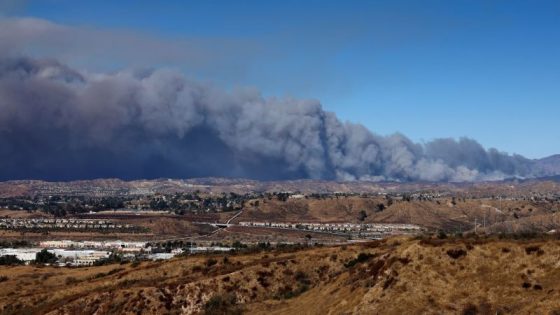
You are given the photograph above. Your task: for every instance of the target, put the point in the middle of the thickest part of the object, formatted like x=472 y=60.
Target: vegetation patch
x=361 y=258
x=534 y=249
x=287 y=292
x=262 y=278
x=537 y=287
x=10 y=260
x=222 y=304
x=71 y=280
x=456 y=253
x=211 y=262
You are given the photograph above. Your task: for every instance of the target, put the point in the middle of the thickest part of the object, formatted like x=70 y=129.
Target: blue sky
x=489 y=70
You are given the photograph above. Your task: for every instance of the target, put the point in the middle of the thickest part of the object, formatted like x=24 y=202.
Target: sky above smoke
x=60 y=123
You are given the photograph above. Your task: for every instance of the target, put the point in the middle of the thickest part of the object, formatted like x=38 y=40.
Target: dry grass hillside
x=330 y=209
x=394 y=276
x=4 y=213
x=451 y=214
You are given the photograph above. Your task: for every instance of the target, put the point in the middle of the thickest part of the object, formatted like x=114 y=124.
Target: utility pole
x=500 y=202
x=474 y=225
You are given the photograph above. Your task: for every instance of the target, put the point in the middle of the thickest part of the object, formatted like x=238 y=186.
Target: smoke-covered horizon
x=58 y=123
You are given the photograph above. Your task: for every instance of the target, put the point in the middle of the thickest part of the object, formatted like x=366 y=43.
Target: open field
x=429 y=276
x=5 y=213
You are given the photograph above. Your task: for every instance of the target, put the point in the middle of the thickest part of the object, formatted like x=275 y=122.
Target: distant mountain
x=549 y=166
x=545 y=177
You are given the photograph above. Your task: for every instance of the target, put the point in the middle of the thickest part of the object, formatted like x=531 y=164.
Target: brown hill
x=395 y=276
x=445 y=213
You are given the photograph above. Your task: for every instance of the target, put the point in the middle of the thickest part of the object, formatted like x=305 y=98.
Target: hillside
x=445 y=213
x=429 y=276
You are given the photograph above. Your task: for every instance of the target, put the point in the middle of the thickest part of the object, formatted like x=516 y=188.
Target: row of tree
x=42 y=257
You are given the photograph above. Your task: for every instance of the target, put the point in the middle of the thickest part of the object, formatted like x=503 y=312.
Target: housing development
x=127 y=225
x=367 y=230
x=62 y=224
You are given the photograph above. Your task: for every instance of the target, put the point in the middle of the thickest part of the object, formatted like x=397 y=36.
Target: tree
x=389 y=201
x=10 y=260
x=441 y=235
x=362 y=215
x=238 y=244
x=45 y=257
x=282 y=196
x=308 y=238
x=222 y=304
x=380 y=207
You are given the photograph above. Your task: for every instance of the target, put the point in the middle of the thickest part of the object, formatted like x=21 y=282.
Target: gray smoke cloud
x=58 y=123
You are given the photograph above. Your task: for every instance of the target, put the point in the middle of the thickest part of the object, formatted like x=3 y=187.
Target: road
x=235 y=216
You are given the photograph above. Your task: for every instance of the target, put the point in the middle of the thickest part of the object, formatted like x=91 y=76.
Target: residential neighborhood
x=62 y=224
x=371 y=230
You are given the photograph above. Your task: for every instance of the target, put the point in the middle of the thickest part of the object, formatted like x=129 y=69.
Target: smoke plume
x=58 y=123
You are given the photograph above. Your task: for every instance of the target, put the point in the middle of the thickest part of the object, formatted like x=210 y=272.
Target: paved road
x=235 y=216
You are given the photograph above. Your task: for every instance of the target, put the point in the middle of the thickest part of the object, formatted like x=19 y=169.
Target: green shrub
x=456 y=253
x=211 y=262
x=70 y=280
x=362 y=257
x=10 y=260
x=287 y=292
x=302 y=278
x=45 y=257
x=222 y=304
x=534 y=249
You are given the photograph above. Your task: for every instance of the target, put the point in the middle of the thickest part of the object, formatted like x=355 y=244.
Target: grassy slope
x=436 y=214
x=403 y=276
